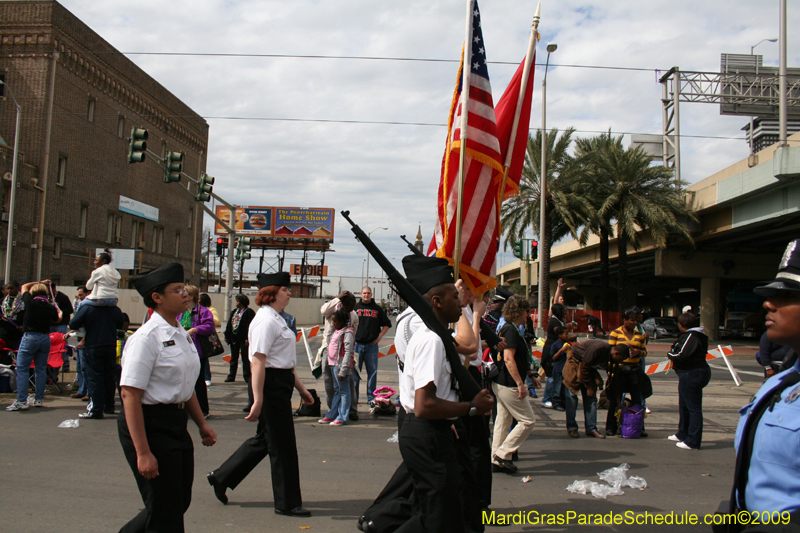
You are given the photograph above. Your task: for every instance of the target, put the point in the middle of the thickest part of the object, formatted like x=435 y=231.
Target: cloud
x=387 y=175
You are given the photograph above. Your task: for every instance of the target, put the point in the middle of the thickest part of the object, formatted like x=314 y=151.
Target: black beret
x=145 y=282
x=788 y=278
x=281 y=279
x=425 y=273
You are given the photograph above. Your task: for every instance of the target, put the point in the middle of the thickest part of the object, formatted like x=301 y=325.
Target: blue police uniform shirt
x=773 y=480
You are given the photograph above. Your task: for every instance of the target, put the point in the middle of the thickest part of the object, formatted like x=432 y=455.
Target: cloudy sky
x=368 y=134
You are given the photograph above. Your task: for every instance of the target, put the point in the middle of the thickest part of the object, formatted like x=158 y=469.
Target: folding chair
x=55 y=360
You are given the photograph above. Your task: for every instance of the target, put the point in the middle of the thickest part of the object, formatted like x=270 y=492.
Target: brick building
x=80 y=98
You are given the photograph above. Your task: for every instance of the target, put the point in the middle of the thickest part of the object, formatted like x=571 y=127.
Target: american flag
x=482 y=173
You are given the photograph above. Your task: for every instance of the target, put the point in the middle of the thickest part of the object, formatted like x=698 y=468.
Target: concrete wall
x=305 y=310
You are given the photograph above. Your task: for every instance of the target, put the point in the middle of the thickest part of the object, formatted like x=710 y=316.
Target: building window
x=57 y=247
x=61 y=170
x=84 y=222
x=118 y=230
x=134 y=233
x=160 y=240
x=90 y=110
x=191 y=218
x=163 y=149
x=177 y=245
x=110 y=228
x=141 y=235
x=155 y=239
x=120 y=127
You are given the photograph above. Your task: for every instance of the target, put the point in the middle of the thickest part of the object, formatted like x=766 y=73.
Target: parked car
x=665 y=326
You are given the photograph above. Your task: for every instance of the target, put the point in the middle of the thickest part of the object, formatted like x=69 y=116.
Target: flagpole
x=526 y=70
x=466 y=62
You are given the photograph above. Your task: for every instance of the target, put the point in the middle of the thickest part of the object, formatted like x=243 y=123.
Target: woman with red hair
x=273 y=359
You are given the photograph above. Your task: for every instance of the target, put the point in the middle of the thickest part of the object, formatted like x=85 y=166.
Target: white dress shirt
x=161 y=360
x=270 y=335
x=425 y=362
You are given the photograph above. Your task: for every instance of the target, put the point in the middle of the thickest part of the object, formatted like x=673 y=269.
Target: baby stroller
x=383 y=405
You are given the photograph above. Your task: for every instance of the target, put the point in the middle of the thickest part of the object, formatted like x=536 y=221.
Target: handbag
x=211 y=345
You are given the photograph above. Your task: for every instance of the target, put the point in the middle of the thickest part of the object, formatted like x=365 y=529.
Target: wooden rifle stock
x=466 y=383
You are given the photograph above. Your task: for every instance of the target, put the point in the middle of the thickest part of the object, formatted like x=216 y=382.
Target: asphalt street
x=77 y=479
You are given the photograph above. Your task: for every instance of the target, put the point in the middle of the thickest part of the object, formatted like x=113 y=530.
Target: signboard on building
x=253 y=221
x=129 y=205
x=280 y=224
x=310 y=270
x=120 y=258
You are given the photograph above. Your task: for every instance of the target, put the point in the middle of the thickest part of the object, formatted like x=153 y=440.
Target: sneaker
x=208 y=383
x=325 y=420
x=560 y=408
x=503 y=465
x=372 y=404
x=684 y=446
x=337 y=423
x=547 y=405
x=17 y=406
x=646 y=410
x=33 y=402
x=673 y=438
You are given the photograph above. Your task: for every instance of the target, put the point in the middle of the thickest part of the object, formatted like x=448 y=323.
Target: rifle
x=467 y=385
x=414 y=249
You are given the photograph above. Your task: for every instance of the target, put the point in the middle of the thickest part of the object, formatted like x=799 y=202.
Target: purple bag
x=631 y=421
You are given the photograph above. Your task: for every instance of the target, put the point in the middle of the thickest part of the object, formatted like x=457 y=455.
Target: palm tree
x=564 y=206
x=596 y=191
x=638 y=196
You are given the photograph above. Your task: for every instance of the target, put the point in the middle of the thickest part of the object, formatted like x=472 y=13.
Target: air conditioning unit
x=4 y=217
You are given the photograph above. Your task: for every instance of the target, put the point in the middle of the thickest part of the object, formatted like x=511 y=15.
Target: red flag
x=504 y=111
x=482 y=173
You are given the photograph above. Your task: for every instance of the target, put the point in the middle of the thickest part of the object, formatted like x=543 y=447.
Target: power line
x=355 y=58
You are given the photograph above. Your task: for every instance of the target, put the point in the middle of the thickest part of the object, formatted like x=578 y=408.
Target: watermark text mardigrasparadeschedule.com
x=535 y=518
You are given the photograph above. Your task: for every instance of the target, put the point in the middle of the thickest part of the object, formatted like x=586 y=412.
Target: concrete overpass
x=747 y=214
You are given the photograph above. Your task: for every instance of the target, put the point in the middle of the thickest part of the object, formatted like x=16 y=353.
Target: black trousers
x=99 y=363
x=201 y=391
x=625 y=382
x=480 y=451
x=166 y=497
x=274 y=437
x=429 y=452
x=236 y=348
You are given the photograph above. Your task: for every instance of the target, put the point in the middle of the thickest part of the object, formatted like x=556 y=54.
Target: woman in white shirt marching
x=159 y=369
x=273 y=359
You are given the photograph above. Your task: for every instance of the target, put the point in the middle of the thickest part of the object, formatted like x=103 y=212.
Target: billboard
x=309 y=223
x=255 y=221
x=283 y=224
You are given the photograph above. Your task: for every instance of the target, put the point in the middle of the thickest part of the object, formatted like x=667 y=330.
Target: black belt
x=443 y=423
x=181 y=405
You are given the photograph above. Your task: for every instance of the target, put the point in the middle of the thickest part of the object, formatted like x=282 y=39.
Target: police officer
x=427 y=440
x=767 y=439
x=272 y=354
x=159 y=368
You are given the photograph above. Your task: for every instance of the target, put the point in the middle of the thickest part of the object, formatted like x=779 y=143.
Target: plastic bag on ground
x=581 y=486
x=69 y=423
x=615 y=475
x=603 y=491
x=393 y=438
x=635 y=482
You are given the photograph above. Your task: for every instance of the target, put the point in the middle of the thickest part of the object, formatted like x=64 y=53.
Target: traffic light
x=204 y=187
x=243 y=248
x=534 y=250
x=518 y=249
x=138 y=145
x=173 y=165
x=220 y=247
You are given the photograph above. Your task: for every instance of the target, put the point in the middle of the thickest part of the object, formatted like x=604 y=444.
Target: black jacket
x=244 y=327
x=689 y=351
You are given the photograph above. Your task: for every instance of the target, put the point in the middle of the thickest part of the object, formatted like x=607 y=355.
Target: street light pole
x=13 y=199
x=551 y=47
x=370 y=235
